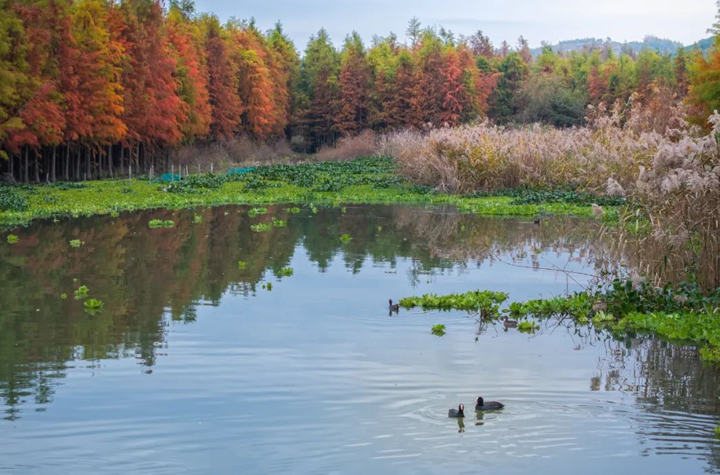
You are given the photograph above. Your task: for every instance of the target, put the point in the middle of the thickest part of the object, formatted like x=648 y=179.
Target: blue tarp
x=167 y=177
x=240 y=171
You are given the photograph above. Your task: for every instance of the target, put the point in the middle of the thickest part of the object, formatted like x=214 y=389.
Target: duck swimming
x=459 y=412
x=394 y=307
x=510 y=323
x=482 y=405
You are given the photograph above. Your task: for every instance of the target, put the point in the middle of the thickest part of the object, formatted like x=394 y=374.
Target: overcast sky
x=550 y=20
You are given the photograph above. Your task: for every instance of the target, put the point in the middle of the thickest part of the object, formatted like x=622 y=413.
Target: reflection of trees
x=147 y=277
x=664 y=378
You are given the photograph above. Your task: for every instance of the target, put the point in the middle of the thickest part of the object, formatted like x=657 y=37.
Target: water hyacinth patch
x=76 y=243
x=260 y=228
x=438 y=330
x=12 y=239
x=81 y=293
x=285 y=272
x=159 y=223
x=345 y=238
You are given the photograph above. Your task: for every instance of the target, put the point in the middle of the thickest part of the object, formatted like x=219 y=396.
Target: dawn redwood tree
x=185 y=43
x=255 y=81
x=354 y=86
x=428 y=97
x=13 y=75
x=452 y=90
x=286 y=75
x=153 y=110
x=222 y=83
x=319 y=83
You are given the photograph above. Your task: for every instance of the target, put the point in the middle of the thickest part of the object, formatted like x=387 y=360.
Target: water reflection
x=160 y=288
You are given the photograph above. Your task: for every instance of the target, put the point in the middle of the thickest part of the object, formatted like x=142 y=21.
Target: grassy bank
x=362 y=181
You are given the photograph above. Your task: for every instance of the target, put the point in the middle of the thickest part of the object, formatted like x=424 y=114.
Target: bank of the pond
x=362 y=181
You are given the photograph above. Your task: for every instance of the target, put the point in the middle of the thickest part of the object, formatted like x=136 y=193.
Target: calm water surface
x=194 y=366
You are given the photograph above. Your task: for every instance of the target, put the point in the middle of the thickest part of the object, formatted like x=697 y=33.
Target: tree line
x=97 y=88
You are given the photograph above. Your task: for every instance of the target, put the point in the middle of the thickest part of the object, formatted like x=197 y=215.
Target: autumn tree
x=225 y=104
x=354 y=83
x=186 y=47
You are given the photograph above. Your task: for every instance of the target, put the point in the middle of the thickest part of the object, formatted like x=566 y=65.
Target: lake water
x=195 y=366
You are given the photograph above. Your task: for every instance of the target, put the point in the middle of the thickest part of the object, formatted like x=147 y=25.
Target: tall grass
x=668 y=169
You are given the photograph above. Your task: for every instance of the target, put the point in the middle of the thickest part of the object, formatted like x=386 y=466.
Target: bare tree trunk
x=88 y=163
x=110 y=161
x=122 y=159
x=54 y=163
x=12 y=164
x=37 y=166
x=99 y=162
x=67 y=161
x=27 y=166
x=77 y=164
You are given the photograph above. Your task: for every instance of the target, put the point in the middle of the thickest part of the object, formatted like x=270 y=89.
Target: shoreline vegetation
x=682 y=314
x=362 y=181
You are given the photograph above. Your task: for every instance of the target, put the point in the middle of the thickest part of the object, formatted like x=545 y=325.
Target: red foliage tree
x=222 y=85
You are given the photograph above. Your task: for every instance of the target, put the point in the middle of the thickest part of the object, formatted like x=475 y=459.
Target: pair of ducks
x=480 y=405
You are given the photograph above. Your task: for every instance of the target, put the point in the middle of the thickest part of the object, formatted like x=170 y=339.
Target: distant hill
x=661 y=45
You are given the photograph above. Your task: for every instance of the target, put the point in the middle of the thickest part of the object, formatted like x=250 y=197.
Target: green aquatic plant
x=12 y=239
x=285 y=272
x=527 y=326
x=293 y=210
x=361 y=181
x=63 y=296
x=11 y=200
x=345 y=238
x=269 y=286
x=262 y=227
x=93 y=304
x=278 y=223
x=197 y=219
x=76 y=243
x=486 y=302
x=159 y=223
x=256 y=211
x=242 y=265
x=81 y=293
x=438 y=330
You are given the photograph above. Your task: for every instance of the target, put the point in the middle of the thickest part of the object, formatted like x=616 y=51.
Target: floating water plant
x=12 y=239
x=293 y=210
x=255 y=211
x=438 y=330
x=486 y=302
x=278 y=223
x=242 y=265
x=76 y=243
x=345 y=238
x=262 y=227
x=285 y=272
x=159 y=223
x=63 y=296
x=197 y=219
x=81 y=293
x=527 y=326
x=93 y=304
